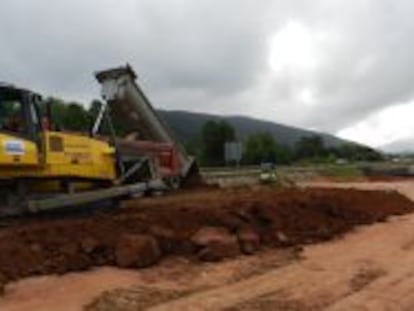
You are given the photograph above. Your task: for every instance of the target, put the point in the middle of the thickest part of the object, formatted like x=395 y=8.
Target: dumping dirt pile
x=204 y=225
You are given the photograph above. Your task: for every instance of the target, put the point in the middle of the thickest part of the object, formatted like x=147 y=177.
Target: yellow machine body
x=56 y=155
x=43 y=167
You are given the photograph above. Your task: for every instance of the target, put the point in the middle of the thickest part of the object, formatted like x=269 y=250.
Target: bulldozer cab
x=20 y=113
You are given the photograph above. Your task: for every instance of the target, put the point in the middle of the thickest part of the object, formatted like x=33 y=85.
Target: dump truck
x=43 y=167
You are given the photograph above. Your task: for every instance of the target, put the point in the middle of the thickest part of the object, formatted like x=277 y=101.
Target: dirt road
x=369 y=268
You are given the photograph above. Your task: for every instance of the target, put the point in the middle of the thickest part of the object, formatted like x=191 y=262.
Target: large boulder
x=172 y=242
x=215 y=243
x=136 y=250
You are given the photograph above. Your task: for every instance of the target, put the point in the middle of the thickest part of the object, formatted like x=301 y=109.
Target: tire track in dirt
x=392 y=292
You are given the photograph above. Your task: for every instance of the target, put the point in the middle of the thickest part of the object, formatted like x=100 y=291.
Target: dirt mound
x=208 y=224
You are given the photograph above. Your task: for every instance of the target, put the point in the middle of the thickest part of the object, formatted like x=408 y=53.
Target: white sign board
x=13 y=147
x=233 y=151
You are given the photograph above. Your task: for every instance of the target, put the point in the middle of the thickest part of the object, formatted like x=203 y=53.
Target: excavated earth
x=205 y=224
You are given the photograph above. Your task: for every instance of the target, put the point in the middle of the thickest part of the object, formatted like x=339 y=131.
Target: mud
x=267 y=216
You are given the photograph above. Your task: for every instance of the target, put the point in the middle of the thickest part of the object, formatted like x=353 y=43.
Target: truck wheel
x=174 y=182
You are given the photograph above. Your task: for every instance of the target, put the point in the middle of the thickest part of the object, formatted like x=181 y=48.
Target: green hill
x=187 y=125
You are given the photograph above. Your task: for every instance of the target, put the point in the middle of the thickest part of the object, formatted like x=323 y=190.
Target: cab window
x=34 y=112
x=11 y=115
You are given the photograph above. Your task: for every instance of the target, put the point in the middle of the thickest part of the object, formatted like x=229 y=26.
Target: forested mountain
x=187 y=125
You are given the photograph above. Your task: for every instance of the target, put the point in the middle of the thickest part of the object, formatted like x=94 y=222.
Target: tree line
x=208 y=147
x=262 y=147
x=73 y=116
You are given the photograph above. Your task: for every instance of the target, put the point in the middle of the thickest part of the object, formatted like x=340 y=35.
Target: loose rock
x=249 y=241
x=215 y=243
x=89 y=244
x=282 y=238
x=136 y=251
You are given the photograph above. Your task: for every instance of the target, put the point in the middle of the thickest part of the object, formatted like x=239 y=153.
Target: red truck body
x=164 y=156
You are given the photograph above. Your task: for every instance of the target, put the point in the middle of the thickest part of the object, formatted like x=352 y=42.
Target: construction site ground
x=310 y=247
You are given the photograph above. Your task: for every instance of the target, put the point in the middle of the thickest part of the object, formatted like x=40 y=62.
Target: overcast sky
x=345 y=67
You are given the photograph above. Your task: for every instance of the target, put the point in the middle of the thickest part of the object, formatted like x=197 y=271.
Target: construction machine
x=43 y=167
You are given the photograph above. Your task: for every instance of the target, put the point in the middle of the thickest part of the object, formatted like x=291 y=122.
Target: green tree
x=94 y=108
x=214 y=135
x=58 y=110
x=262 y=147
x=68 y=116
x=354 y=152
x=310 y=147
x=121 y=127
x=76 y=118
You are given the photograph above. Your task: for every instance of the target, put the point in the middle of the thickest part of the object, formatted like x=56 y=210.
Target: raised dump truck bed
x=127 y=101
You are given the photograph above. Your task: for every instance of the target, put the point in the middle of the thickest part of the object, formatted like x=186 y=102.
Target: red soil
x=278 y=217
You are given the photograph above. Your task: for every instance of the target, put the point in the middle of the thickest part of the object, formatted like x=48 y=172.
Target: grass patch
x=342 y=172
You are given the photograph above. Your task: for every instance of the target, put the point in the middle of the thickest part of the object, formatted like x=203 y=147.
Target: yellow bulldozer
x=43 y=167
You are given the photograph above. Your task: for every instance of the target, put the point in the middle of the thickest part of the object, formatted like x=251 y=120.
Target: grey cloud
x=373 y=68
x=174 y=44
x=213 y=55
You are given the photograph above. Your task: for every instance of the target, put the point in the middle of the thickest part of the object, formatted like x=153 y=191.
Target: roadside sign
x=233 y=152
